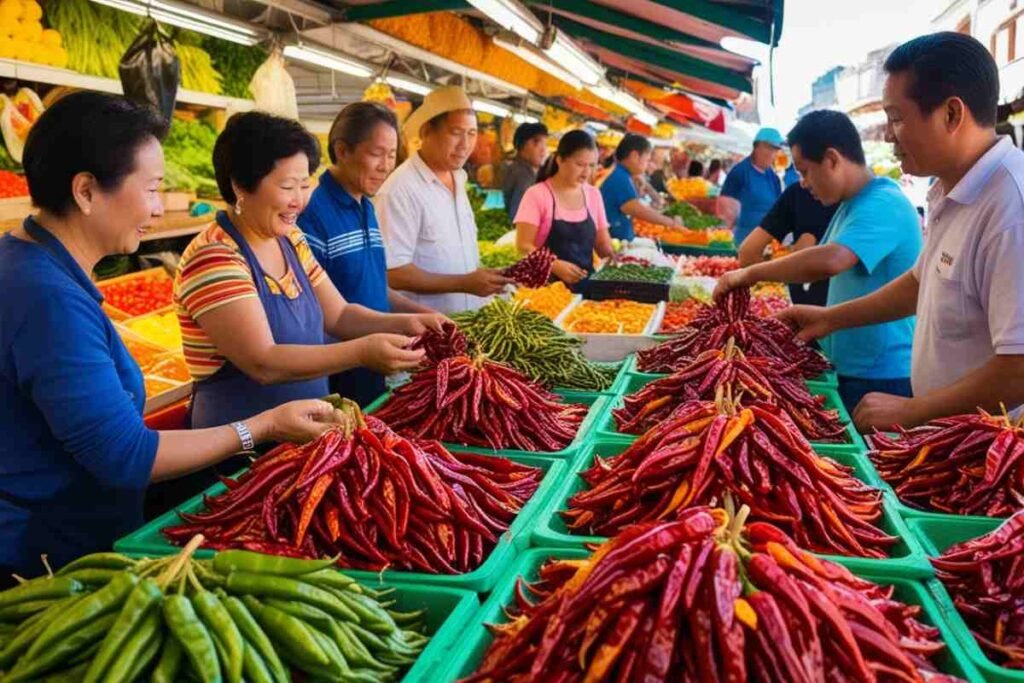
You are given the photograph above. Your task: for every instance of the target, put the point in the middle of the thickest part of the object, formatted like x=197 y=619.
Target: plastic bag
x=150 y=71
x=273 y=89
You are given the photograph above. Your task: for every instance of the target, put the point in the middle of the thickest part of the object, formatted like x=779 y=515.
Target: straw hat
x=437 y=102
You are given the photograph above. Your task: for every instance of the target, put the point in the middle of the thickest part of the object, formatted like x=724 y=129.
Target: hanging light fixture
x=190 y=17
x=328 y=59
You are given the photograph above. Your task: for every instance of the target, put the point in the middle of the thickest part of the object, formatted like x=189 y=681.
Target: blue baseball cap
x=770 y=135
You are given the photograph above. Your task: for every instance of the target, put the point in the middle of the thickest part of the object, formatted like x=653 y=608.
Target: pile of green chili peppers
x=526 y=340
x=241 y=616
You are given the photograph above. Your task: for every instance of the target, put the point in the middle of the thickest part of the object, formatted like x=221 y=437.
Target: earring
x=238 y=207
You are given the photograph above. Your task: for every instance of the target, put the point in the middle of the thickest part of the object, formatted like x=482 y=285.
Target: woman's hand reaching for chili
x=387 y=353
x=296 y=421
x=569 y=273
x=416 y=324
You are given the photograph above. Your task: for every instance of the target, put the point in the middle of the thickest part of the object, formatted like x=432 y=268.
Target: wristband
x=244 y=435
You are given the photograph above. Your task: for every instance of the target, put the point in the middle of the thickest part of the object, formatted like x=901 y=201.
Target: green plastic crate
x=606 y=427
x=148 y=540
x=468 y=653
x=598 y=403
x=908 y=559
x=936 y=535
x=827 y=379
x=697 y=250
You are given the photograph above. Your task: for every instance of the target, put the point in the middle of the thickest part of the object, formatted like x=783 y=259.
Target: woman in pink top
x=565 y=213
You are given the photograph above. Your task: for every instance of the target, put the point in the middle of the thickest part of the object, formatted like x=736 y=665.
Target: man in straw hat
x=428 y=223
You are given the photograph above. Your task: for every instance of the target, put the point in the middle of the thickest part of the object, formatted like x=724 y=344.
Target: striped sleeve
x=211 y=276
x=314 y=271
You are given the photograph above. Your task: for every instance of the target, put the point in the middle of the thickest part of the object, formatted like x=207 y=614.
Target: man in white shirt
x=967 y=289
x=425 y=215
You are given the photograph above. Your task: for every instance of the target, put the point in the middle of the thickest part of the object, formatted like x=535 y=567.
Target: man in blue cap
x=752 y=187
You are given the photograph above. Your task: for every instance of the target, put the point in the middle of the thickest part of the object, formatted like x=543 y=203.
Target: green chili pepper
x=140 y=603
x=149 y=654
x=93 y=576
x=355 y=650
x=254 y=667
x=332 y=578
x=45 y=588
x=337 y=666
x=98 y=561
x=195 y=640
x=17 y=613
x=31 y=666
x=292 y=637
x=69 y=675
x=370 y=613
x=256 y=638
x=171 y=659
x=106 y=600
x=288 y=589
x=225 y=633
x=30 y=629
x=134 y=648
x=229 y=561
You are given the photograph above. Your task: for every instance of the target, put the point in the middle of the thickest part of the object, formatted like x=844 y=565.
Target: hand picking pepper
x=706 y=449
x=961 y=465
x=440 y=345
x=754 y=335
x=704 y=598
x=370 y=499
x=534 y=270
x=481 y=403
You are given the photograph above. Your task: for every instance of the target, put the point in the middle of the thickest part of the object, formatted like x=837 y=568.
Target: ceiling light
x=190 y=17
x=646 y=118
x=574 y=60
x=597 y=125
x=618 y=98
x=524 y=118
x=414 y=87
x=327 y=59
x=491 y=108
x=540 y=61
x=512 y=16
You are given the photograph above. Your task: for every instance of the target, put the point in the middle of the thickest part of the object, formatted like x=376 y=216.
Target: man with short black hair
x=967 y=288
x=621 y=198
x=531 y=144
x=873 y=238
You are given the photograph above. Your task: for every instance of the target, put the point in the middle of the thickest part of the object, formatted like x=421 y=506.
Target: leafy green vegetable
x=493 y=256
x=491 y=223
x=692 y=217
x=236 y=64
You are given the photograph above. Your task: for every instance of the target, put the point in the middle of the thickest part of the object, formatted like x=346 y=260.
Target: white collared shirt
x=971 y=272
x=426 y=225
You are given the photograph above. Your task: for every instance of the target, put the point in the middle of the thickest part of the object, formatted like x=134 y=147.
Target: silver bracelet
x=244 y=435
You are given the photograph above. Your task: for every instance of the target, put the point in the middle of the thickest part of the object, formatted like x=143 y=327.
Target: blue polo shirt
x=756 y=191
x=345 y=238
x=882 y=228
x=75 y=457
x=616 y=190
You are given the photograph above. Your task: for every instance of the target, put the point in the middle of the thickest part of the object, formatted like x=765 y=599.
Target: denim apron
x=573 y=241
x=229 y=394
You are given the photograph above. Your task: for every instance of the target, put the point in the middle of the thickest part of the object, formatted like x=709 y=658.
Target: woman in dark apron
x=565 y=213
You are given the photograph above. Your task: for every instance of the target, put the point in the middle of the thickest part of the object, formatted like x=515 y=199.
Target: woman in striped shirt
x=252 y=301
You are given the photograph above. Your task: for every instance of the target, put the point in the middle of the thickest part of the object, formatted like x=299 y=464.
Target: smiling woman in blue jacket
x=76 y=457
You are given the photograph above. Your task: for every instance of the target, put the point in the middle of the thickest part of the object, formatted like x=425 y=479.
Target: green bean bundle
x=513 y=334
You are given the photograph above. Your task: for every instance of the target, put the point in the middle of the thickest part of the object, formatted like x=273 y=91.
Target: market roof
x=670 y=41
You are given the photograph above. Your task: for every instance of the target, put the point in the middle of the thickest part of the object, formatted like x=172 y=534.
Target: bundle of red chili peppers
x=759 y=379
x=964 y=465
x=481 y=403
x=705 y=599
x=708 y=449
x=985 y=577
x=371 y=498
x=440 y=345
x=534 y=270
x=732 y=317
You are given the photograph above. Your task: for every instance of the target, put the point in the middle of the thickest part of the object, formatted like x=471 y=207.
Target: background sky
x=820 y=34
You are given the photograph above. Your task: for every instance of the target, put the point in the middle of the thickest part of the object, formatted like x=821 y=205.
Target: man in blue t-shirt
x=874 y=238
x=621 y=200
x=752 y=187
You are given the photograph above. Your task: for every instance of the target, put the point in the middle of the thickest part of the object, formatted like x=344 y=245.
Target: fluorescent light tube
x=189 y=17
x=524 y=118
x=597 y=125
x=327 y=59
x=575 y=61
x=646 y=118
x=540 y=61
x=414 y=87
x=509 y=16
x=491 y=108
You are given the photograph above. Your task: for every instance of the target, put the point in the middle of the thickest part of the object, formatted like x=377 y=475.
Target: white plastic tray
x=615 y=347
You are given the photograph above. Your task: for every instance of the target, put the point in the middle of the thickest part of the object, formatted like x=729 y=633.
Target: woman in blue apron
x=565 y=213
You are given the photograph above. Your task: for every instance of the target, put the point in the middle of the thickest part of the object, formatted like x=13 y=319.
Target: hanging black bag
x=150 y=71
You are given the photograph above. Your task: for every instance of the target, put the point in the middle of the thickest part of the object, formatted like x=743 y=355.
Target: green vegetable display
x=236 y=64
x=491 y=223
x=692 y=217
x=236 y=618
x=197 y=72
x=493 y=256
x=477 y=196
x=95 y=37
x=188 y=150
x=512 y=334
x=634 y=272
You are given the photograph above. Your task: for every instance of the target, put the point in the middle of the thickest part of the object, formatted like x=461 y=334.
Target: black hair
x=715 y=166
x=948 y=64
x=823 y=129
x=85 y=132
x=630 y=143
x=571 y=142
x=355 y=124
x=696 y=169
x=250 y=145
x=526 y=132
